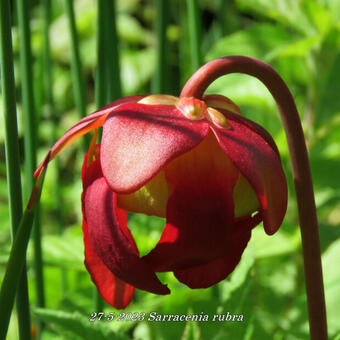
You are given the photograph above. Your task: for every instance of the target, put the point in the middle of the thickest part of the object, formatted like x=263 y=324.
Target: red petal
x=114 y=291
x=200 y=210
x=197 y=230
x=140 y=139
x=112 y=241
x=259 y=163
x=84 y=126
x=215 y=271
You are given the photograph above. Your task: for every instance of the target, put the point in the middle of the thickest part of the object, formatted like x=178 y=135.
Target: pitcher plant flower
x=197 y=162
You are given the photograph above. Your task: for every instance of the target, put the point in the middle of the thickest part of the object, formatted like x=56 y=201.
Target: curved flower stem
x=196 y=86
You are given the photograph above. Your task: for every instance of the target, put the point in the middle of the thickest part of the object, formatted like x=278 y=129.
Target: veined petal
x=259 y=163
x=217 y=270
x=114 y=291
x=200 y=209
x=139 y=140
x=84 y=126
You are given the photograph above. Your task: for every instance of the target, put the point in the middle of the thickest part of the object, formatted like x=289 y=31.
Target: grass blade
x=30 y=136
x=17 y=258
x=195 y=33
x=78 y=79
x=12 y=161
x=112 y=55
x=160 y=78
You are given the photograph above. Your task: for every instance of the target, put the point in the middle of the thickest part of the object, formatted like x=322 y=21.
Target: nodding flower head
x=211 y=173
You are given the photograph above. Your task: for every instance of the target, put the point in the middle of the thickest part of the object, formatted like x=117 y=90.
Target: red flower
x=213 y=174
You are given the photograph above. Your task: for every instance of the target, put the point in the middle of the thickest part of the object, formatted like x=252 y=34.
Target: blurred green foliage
x=301 y=40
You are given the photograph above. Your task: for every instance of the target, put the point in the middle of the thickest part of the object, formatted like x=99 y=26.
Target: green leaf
x=289 y=13
x=277 y=244
x=329 y=104
x=77 y=326
x=299 y=48
x=137 y=68
x=239 y=275
x=331 y=272
x=130 y=30
x=256 y=42
x=66 y=251
x=192 y=330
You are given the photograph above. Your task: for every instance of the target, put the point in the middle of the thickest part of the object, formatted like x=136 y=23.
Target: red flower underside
x=109 y=236
x=201 y=242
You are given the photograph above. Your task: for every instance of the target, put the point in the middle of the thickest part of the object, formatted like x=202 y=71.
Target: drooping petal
x=111 y=239
x=217 y=270
x=259 y=163
x=108 y=237
x=84 y=126
x=114 y=291
x=200 y=209
x=140 y=139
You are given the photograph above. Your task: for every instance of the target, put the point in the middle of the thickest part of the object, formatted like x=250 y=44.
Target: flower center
x=195 y=109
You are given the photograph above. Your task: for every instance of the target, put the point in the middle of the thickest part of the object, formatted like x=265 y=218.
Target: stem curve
x=196 y=86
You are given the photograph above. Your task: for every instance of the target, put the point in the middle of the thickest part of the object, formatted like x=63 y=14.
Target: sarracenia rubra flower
x=211 y=173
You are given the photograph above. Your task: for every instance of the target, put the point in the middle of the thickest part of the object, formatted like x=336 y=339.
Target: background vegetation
x=299 y=38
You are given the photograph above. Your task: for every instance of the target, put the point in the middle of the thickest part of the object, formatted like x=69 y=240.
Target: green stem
x=101 y=72
x=46 y=14
x=160 y=78
x=78 y=79
x=17 y=259
x=195 y=33
x=12 y=162
x=49 y=100
x=112 y=56
x=30 y=136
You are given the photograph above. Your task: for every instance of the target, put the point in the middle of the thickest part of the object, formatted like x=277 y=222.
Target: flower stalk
x=196 y=86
